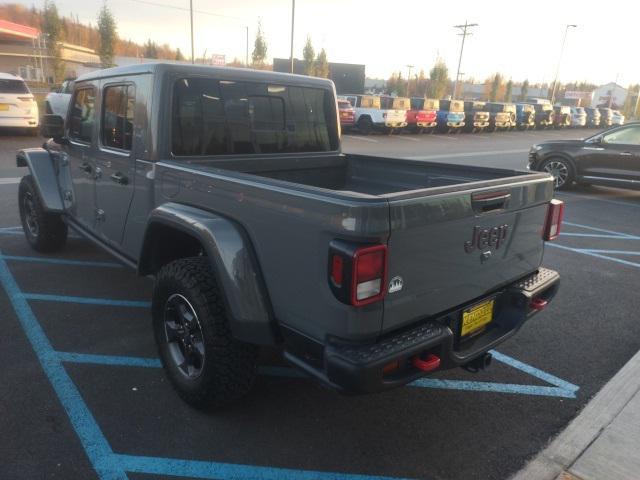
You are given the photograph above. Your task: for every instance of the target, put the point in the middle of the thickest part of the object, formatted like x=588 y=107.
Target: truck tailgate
x=451 y=248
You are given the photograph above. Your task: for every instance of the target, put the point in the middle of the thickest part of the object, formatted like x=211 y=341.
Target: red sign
x=218 y=60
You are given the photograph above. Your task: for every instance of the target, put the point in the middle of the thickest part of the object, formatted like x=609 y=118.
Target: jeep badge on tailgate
x=486 y=237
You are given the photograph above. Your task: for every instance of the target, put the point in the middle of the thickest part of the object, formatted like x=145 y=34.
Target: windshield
x=13 y=86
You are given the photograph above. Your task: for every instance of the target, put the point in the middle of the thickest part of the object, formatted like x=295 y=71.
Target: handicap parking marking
x=86 y=300
x=61 y=261
x=601 y=233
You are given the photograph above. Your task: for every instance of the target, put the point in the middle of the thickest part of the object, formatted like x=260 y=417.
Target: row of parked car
x=369 y=113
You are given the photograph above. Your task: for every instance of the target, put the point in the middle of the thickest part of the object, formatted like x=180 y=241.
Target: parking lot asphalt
x=82 y=395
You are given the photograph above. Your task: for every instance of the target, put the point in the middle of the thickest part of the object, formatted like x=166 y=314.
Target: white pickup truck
x=371 y=116
x=57 y=101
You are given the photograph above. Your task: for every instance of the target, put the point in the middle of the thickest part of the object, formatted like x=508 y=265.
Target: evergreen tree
x=179 y=56
x=322 y=65
x=52 y=28
x=508 y=91
x=108 y=36
x=309 y=55
x=150 y=50
x=495 y=87
x=524 y=90
x=259 y=48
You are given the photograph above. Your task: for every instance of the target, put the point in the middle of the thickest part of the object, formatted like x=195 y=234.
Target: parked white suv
x=18 y=107
x=371 y=116
x=57 y=101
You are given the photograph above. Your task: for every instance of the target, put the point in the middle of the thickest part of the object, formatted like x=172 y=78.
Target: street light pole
x=463 y=34
x=246 y=53
x=293 y=20
x=191 y=15
x=409 y=79
x=555 y=82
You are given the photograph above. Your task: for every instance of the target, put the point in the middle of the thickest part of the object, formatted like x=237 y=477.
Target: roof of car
x=220 y=72
x=9 y=76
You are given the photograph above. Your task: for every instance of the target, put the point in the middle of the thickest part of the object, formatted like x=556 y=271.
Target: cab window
x=81 y=116
x=117 y=116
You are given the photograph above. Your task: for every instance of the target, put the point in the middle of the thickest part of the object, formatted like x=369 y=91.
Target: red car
x=423 y=115
x=347 y=115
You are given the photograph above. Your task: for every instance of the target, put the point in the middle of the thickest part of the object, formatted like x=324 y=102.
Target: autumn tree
x=524 y=90
x=495 y=88
x=108 y=36
x=52 y=28
x=322 y=65
x=309 y=55
x=259 y=54
x=438 y=80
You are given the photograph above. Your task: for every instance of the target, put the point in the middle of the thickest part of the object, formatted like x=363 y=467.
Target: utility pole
x=464 y=33
x=555 y=82
x=293 y=20
x=246 y=54
x=409 y=79
x=191 y=14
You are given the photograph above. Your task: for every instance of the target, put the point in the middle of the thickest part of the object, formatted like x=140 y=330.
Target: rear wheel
x=562 y=171
x=45 y=231
x=365 y=125
x=205 y=364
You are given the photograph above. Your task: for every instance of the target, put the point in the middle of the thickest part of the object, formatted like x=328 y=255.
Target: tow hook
x=538 y=303
x=480 y=363
x=431 y=363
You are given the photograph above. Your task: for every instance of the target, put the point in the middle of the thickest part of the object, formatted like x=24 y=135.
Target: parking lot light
x=555 y=82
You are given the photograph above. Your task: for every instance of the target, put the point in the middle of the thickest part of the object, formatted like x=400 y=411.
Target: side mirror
x=597 y=140
x=52 y=126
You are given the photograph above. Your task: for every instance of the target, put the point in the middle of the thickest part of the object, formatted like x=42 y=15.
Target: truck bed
x=361 y=175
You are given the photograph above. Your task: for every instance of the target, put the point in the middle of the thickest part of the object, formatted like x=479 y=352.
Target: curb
x=571 y=443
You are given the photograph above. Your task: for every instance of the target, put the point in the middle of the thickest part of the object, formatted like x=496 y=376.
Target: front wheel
x=365 y=126
x=205 y=364
x=562 y=171
x=45 y=231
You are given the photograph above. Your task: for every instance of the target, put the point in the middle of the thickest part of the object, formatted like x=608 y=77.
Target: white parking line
x=465 y=154
x=482 y=137
x=9 y=181
x=363 y=139
x=447 y=137
x=404 y=137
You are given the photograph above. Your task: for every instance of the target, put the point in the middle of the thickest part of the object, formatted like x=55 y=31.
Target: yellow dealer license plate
x=476 y=317
x=4 y=107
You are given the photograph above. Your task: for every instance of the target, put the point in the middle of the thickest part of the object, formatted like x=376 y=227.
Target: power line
x=184 y=9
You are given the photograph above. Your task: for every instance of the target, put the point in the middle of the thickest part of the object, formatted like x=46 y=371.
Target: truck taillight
x=553 y=222
x=357 y=274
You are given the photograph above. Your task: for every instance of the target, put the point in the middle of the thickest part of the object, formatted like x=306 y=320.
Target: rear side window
x=13 y=86
x=218 y=118
x=117 y=116
x=81 y=116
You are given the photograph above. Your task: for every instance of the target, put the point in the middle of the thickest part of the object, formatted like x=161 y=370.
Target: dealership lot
x=84 y=398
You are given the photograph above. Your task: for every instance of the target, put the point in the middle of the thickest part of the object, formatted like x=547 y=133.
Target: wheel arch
x=563 y=156
x=177 y=231
x=43 y=171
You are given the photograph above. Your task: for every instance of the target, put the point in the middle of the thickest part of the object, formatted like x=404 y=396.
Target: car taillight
x=357 y=274
x=553 y=222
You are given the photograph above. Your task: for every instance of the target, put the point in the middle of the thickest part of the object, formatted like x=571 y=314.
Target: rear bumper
x=427 y=124
x=359 y=368
x=395 y=124
x=455 y=124
x=19 y=122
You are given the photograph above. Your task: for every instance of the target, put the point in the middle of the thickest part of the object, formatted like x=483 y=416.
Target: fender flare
x=44 y=175
x=234 y=263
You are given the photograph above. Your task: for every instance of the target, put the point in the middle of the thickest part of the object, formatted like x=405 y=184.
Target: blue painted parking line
x=560 y=387
x=597 y=229
x=586 y=251
x=61 y=261
x=86 y=300
x=107 y=464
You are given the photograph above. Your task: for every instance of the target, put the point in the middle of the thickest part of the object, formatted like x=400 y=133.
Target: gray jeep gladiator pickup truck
x=229 y=188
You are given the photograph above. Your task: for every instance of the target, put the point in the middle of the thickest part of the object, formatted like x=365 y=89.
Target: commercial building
x=348 y=77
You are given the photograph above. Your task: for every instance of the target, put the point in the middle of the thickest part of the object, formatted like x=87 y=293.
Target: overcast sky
x=519 y=39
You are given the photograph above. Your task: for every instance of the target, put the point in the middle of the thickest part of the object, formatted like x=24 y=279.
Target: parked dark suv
x=609 y=158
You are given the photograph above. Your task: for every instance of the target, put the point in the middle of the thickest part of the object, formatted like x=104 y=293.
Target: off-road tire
x=365 y=125
x=229 y=366
x=45 y=231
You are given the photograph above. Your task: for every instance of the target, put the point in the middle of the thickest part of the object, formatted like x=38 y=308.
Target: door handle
x=119 y=178
x=85 y=167
x=626 y=154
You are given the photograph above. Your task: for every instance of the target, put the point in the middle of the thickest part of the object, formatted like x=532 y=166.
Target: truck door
x=81 y=134
x=114 y=160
